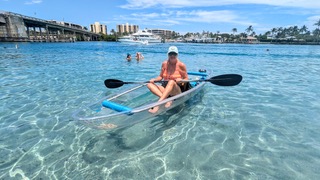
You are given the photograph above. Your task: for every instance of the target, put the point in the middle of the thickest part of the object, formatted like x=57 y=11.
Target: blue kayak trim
x=115 y=106
x=197 y=73
x=193 y=84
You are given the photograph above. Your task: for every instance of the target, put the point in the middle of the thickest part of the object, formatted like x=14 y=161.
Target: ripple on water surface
x=264 y=128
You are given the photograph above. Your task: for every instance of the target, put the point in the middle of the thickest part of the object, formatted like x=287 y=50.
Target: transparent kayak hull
x=137 y=102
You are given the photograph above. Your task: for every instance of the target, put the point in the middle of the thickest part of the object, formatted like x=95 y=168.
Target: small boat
x=132 y=106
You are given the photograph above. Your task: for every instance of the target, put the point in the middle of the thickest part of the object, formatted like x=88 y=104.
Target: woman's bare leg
x=155 y=89
x=172 y=89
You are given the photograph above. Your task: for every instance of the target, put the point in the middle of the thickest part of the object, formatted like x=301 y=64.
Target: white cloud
x=208 y=16
x=169 y=18
x=151 y=15
x=213 y=12
x=33 y=2
x=154 y=19
x=311 y=21
x=142 y=4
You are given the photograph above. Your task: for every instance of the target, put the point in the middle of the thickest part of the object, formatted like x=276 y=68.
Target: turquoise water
x=267 y=127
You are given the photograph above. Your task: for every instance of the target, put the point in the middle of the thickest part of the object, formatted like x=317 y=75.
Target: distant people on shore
x=128 y=57
x=139 y=56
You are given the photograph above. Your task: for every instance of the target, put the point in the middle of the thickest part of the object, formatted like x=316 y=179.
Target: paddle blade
x=113 y=83
x=226 y=80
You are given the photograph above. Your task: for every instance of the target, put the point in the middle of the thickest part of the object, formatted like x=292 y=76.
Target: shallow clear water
x=267 y=127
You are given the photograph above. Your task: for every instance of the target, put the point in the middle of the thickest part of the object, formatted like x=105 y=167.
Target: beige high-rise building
x=98 y=28
x=161 y=32
x=126 y=28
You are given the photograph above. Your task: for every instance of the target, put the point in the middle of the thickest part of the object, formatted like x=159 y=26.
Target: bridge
x=19 y=28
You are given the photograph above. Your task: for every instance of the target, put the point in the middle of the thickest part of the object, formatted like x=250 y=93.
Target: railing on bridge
x=55 y=26
x=48 y=22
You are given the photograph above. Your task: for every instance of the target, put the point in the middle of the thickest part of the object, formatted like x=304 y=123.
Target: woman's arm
x=160 y=77
x=183 y=71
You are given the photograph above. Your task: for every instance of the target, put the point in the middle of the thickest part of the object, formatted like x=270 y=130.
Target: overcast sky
x=178 y=15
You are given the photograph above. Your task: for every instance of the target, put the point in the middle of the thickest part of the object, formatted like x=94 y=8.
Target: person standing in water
x=128 y=57
x=139 y=56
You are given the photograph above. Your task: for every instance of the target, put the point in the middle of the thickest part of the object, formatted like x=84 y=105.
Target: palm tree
x=318 y=24
x=280 y=32
x=303 y=29
x=295 y=30
x=316 y=31
x=249 y=29
x=112 y=31
x=234 y=30
x=273 y=31
x=267 y=33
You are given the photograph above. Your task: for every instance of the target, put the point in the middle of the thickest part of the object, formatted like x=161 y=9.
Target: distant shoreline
x=280 y=43
x=275 y=43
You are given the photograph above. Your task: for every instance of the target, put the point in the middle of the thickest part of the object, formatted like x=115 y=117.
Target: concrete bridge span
x=19 y=28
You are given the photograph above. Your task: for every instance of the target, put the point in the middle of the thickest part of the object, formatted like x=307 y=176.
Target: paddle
x=221 y=80
x=115 y=83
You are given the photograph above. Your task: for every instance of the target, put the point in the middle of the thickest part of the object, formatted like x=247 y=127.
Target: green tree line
x=273 y=35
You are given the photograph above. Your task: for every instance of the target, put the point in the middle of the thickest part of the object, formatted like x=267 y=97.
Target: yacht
x=145 y=35
x=131 y=40
x=142 y=36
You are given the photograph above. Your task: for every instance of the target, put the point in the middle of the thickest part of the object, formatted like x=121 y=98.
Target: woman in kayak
x=172 y=71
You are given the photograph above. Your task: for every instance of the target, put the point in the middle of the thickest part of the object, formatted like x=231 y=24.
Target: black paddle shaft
x=115 y=83
x=221 y=80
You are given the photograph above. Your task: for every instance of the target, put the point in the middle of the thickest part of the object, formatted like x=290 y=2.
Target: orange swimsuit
x=176 y=74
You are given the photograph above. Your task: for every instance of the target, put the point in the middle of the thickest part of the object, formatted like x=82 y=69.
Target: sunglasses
x=173 y=54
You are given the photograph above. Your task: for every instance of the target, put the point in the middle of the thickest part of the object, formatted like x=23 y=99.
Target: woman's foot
x=168 y=104
x=107 y=126
x=154 y=109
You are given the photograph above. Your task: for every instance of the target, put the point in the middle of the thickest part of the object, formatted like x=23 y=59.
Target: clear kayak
x=132 y=106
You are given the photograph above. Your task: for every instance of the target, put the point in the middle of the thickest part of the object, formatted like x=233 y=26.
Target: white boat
x=131 y=40
x=142 y=36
